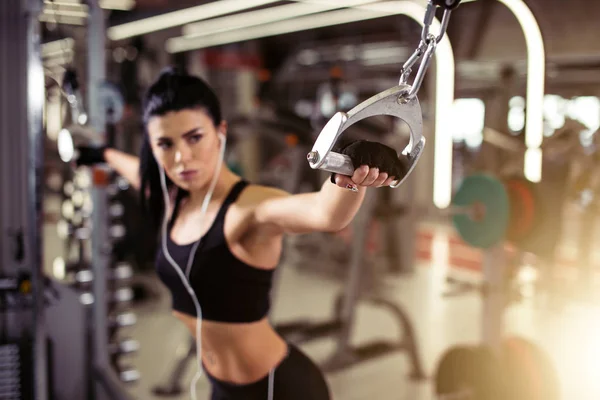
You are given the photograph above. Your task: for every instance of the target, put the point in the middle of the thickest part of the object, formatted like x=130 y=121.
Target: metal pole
x=13 y=106
x=96 y=38
x=21 y=107
x=100 y=264
x=35 y=179
x=494 y=296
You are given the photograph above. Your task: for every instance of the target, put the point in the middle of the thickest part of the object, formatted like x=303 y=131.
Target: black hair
x=173 y=90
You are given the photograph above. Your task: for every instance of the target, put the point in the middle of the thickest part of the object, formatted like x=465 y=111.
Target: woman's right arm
x=126 y=165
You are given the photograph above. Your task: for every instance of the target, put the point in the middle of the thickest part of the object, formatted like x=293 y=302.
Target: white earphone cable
x=185 y=278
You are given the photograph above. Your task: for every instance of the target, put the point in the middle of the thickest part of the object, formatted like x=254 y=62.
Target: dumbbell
x=84 y=277
x=87 y=298
x=115 y=298
x=128 y=374
x=78 y=221
x=117 y=231
x=68 y=188
x=65 y=230
x=67 y=209
x=123 y=346
x=82 y=179
x=78 y=198
x=72 y=229
x=122 y=271
x=120 y=246
x=61 y=269
x=88 y=206
x=122 y=320
x=118 y=321
x=78 y=207
x=54 y=181
x=116 y=210
x=81 y=202
x=122 y=295
x=118 y=185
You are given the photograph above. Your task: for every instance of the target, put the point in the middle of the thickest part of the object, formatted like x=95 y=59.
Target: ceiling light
x=260 y=17
x=182 y=17
x=179 y=44
x=536 y=75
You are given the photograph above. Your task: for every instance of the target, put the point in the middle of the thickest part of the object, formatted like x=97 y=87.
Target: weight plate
x=455 y=372
x=542 y=235
x=529 y=373
x=522 y=210
x=469 y=372
x=489 y=192
x=488 y=374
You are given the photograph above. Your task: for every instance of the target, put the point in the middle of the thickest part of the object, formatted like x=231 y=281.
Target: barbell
x=487 y=211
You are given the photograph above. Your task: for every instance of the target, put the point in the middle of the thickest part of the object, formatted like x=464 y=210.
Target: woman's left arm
x=329 y=210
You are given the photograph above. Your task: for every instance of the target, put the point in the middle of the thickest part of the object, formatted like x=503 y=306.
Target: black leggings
x=295 y=378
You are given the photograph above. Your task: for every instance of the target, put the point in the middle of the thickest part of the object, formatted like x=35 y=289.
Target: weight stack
x=119 y=280
x=12 y=376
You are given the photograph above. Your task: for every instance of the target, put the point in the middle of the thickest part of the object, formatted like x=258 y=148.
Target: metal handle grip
x=389 y=102
x=338 y=163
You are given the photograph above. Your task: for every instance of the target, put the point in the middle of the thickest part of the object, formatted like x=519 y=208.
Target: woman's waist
x=236 y=336
x=240 y=353
x=243 y=365
x=229 y=339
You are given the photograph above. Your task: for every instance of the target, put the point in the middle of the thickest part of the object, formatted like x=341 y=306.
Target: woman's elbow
x=335 y=224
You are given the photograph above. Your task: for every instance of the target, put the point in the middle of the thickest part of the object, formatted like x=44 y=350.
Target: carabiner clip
x=426 y=36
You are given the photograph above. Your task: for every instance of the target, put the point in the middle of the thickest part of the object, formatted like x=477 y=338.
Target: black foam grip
x=375 y=155
x=90 y=155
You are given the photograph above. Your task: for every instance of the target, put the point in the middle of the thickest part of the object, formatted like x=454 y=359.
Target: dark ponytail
x=151 y=196
x=172 y=91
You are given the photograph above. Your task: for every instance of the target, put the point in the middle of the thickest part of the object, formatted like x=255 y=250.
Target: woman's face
x=186 y=144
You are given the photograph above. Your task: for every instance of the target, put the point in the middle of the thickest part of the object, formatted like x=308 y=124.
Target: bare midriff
x=238 y=353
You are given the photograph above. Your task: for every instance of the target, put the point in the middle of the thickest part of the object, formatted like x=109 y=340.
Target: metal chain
x=426 y=47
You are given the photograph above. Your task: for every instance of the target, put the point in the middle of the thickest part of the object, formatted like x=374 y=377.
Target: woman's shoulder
x=250 y=199
x=255 y=194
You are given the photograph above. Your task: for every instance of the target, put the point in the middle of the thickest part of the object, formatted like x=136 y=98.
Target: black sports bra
x=227 y=289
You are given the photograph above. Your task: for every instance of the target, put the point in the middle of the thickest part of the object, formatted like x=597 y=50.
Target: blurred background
x=512 y=93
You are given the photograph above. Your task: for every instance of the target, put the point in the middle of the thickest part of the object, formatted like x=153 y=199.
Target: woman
x=222 y=237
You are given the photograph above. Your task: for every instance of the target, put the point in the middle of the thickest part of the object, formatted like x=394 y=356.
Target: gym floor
x=567 y=330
